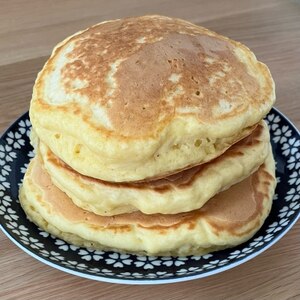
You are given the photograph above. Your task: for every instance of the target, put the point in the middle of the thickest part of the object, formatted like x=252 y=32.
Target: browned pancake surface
x=228 y=210
x=181 y=179
x=157 y=57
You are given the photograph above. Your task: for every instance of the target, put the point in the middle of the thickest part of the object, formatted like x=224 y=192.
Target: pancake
x=140 y=98
x=182 y=192
x=228 y=219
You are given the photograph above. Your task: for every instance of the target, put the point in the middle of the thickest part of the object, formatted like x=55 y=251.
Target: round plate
x=15 y=153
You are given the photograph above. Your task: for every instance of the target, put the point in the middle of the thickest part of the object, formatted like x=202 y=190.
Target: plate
x=15 y=153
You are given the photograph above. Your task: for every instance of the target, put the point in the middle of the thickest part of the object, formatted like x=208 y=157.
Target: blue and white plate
x=15 y=153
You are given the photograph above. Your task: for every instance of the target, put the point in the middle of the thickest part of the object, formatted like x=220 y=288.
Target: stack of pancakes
x=149 y=139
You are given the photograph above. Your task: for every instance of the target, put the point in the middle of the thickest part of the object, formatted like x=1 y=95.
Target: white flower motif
x=15 y=139
x=6 y=200
x=283 y=222
x=295 y=178
x=2 y=178
x=223 y=262
x=24 y=168
x=294 y=162
x=196 y=257
x=159 y=274
x=173 y=261
x=5 y=170
x=268 y=237
x=257 y=242
x=274 y=227
x=32 y=242
x=25 y=127
x=11 y=215
x=94 y=270
x=102 y=272
x=153 y=275
x=137 y=275
x=147 y=262
x=189 y=270
x=31 y=154
x=81 y=267
x=43 y=233
x=283 y=212
x=282 y=134
x=6 y=154
x=272 y=121
x=288 y=211
x=19 y=230
x=206 y=256
x=55 y=256
x=37 y=246
x=88 y=254
x=24 y=239
x=70 y=263
x=212 y=264
x=292 y=195
x=162 y=275
x=107 y=272
x=294 y=206
x=2 y=210
x=240 y=253
x=247 y=250
x=75 y=265
x=127 y=275
x=118 y=260
x=46 y=234
x=291 y=147
x=62 y=245
x=234 y=254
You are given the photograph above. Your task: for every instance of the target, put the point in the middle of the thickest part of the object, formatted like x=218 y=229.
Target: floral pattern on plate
x=15 y=153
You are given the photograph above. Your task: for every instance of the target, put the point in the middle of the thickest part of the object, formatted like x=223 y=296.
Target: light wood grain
x=28 y=32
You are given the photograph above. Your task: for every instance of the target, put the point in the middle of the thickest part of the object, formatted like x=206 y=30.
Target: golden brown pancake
x=144 y=97
x=228 y=219
x=181 y=192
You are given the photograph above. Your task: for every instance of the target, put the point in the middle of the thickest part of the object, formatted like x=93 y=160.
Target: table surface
x=30 y=29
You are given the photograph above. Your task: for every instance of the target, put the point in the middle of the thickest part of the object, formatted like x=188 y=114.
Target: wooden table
x=30 y=29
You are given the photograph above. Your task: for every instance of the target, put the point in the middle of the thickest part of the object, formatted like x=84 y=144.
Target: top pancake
x=141 y=92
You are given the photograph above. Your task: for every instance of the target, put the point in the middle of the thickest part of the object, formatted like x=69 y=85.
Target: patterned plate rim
x=133 y=281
